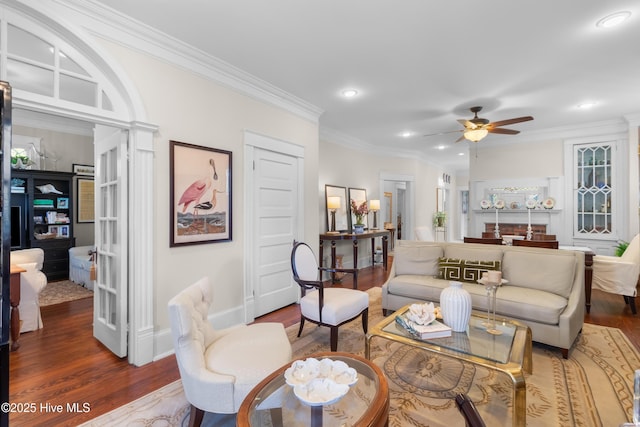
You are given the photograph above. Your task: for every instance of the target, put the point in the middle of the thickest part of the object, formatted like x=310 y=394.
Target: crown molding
x=104 y=22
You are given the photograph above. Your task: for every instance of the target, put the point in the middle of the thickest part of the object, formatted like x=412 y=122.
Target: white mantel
x=516 y=191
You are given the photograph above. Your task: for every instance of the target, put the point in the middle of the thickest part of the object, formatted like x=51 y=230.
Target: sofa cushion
x=547 y=270
x=417 y=259
x=464 y=270
x=474 y=251
x=424 y=288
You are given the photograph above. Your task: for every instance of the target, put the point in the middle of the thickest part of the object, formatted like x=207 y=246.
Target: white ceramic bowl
x=320 y=391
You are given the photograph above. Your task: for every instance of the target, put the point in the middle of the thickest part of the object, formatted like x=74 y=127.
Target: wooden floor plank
x=62 y=363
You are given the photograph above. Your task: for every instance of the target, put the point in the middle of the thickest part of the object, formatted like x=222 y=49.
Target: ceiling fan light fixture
x=349 y=93
x=475 y=135
x=613 y=20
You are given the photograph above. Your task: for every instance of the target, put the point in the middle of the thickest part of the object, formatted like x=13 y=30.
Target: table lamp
x=333 y=204
x=374 y=206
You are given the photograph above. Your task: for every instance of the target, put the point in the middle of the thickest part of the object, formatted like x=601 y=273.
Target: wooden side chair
x=542 y=236
x=549 y=244
x=484 y=241
x=321 y=304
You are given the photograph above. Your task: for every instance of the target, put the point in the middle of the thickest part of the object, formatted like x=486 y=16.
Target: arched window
x=43 y=68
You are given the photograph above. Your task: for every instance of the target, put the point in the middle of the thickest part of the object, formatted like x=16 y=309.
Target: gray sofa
x=545 y=289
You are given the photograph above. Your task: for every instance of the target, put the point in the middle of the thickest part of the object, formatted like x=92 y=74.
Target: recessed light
x=441 y=147
x=460 y=154
x=406 y=134
x=586 y=105
x=349 y=93
x=613 y=19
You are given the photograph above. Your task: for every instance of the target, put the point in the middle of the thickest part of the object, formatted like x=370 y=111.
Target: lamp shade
x=374 y=205
x=475 y=135
x=333 y=202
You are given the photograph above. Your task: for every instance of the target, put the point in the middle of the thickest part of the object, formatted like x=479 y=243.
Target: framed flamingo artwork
x=200 y=194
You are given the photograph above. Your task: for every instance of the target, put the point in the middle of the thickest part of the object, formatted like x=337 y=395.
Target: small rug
x=62 y=291
x=591 y=388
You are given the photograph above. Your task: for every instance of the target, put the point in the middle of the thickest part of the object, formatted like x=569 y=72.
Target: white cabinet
x=594 y=189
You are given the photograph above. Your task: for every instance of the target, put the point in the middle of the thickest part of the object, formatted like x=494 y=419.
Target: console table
x=588 y=271
x=371 y=234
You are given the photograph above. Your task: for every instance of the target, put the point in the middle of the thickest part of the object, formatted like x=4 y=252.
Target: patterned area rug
x=62 y=291
x=592 y=388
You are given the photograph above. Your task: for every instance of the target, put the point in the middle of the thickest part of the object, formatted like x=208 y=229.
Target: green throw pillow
x=463 y=270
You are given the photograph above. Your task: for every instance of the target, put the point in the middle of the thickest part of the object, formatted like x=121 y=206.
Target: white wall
x=348 y=167
x=193 y=109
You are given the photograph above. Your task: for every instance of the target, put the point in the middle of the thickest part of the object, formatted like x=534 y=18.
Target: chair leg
x=301 y=326
x=631 y=301
x=365 y=320
x=334 y=338
x=195 y=416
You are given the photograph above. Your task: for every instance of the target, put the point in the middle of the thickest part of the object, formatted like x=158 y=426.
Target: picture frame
x=86 y=170
x=63 y=231
x=200 y=194
x=63 y=203
x=359 y=195
x=85 y=204
x=342 y=223
x=54 y=229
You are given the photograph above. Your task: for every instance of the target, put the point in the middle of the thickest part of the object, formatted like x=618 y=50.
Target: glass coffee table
x=273 y=403
x=509 y=352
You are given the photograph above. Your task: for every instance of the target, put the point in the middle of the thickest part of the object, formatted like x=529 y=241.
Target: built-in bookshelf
x=42 y=210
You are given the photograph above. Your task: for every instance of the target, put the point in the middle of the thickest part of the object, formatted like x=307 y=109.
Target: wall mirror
x=342 y=224
x=388 y=207
x=440 y=201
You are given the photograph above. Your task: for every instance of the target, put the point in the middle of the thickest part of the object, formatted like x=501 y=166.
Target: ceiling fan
x=477 y=128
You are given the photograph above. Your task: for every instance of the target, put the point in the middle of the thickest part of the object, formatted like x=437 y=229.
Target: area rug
x=62 y=291
x=592 y=388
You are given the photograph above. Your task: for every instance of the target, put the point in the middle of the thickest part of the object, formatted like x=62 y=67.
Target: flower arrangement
x=359 y=211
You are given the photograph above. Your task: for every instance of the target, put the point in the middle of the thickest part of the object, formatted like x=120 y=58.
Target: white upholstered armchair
x=32 y=282
x=219 y=368
x=619 y=275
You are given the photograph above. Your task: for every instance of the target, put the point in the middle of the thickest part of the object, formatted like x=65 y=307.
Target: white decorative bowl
x=320 y=391
x=320 y=382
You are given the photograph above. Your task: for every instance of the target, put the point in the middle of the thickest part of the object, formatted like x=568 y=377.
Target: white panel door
x=275 y=191
x=110 y=289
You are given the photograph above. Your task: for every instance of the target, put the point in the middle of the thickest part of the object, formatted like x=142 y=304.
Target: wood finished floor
x=63 y=364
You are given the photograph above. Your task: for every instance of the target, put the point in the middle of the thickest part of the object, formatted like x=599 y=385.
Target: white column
x=141 y=249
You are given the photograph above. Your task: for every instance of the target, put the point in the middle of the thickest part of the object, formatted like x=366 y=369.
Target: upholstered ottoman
x=80 y=266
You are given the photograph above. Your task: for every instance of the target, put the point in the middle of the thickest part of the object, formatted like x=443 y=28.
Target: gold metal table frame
x=520 y=357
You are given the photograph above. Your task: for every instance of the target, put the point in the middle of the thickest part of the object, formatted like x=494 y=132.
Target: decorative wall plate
x=548 y=203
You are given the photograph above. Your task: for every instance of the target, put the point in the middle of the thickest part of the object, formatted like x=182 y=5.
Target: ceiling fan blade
x=442 y=133
x=460 y=139
x=511 y=121
x=467 y=124
x=503 y=131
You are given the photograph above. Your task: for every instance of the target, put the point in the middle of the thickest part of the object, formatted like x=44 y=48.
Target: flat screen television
x=17 y=227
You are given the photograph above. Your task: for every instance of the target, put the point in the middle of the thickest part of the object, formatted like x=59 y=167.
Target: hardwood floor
x=62 y=364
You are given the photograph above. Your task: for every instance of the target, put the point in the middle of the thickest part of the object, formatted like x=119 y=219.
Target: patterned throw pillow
x=464 y=270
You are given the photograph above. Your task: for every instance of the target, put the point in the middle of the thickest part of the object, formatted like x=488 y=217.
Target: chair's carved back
x=304 y=263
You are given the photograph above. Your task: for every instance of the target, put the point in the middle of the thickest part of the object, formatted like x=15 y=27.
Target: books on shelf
x=434 y=329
